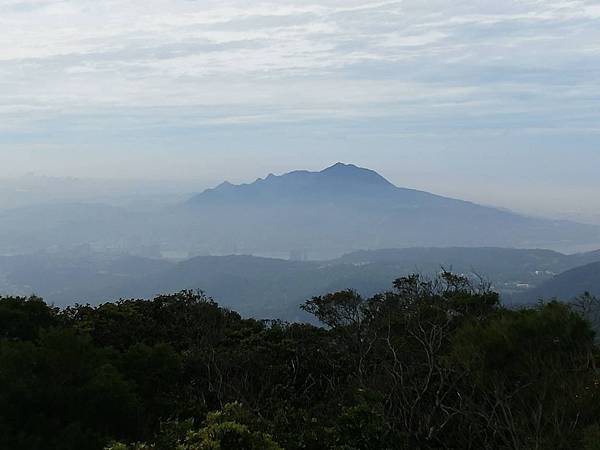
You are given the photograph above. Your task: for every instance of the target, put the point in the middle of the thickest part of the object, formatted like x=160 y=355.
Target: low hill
x=569 y=284
x=269 y=287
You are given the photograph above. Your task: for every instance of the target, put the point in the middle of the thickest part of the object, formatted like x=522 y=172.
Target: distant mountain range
x=274 y=288
x=346 y=207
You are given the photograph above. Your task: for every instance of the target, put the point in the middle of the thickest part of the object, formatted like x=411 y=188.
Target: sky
x=492 y=101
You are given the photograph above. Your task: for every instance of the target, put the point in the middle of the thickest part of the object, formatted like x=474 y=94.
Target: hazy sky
x=495 y=101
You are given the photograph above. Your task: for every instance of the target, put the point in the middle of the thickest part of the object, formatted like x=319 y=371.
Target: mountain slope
x=569 y=284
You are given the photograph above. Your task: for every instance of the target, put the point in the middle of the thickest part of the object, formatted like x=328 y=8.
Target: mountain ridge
x=340 y=179
x=270 y=287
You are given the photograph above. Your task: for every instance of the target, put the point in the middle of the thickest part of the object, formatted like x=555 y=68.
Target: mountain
x=345 y=183
x=568 y=284
x=345 y=207
x=338 y=181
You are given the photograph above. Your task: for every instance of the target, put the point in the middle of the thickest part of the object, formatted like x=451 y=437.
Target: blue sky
x=494 y=101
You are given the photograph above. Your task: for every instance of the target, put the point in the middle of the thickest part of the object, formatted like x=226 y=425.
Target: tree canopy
x=429 y=364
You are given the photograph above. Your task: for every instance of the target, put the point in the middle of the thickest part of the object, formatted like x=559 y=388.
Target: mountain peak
x=225 y=185
x=354 y=174
x=341 y=166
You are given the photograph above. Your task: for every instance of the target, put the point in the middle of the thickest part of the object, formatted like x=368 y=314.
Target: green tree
x=62 y=393
x=533 y=376
x=223 y=430
x=24 y=317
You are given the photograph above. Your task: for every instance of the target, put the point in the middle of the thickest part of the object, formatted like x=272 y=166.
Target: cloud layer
x=238 y=61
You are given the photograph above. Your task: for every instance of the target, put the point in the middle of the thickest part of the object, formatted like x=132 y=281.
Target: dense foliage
x=428 y=365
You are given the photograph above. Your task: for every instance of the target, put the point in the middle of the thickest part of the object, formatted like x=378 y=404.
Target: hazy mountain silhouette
x=345 y=183
x=346 y=207
x=338 y=181
x=317 y=215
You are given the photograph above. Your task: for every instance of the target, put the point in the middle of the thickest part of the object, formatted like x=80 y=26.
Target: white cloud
x=266 y=60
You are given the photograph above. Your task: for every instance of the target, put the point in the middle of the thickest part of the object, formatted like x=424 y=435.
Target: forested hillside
x=430 y=364
x=275 y=288
x=569 y=284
